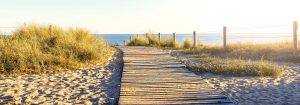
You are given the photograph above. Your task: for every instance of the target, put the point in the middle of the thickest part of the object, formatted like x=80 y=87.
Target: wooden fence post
x=195 y=40
x=174 y=37
x=130 y=38
x=51 y=29
x=295 y=32
x=158 y=37
x=224 y=37
x=124 y=43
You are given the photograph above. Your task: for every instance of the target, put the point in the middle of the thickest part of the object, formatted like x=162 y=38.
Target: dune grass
x=38 y=49
x=151 y=40
x=138 y=41
x=279 y=52
x=241 y=59
x=187 y=44
x=234 y=67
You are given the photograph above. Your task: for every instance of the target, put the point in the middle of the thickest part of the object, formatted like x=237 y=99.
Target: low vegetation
x=138 y=41
x=42 y=49
x=279 y=52
x=187 y=44
x=151 y=40
x=246 y=57
x=236 y=60
x=234 y=67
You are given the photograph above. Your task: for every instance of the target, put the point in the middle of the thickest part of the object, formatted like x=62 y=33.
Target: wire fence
x=261 y=34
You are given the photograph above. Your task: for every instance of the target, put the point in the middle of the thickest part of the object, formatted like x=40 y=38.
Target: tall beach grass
x=234 y=67
x=278 y=52
x=151 y=40
x=40 y=49
x=246 y=57
x=138 y=41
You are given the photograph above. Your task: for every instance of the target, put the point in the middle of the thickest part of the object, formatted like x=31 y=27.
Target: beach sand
x=97 y=85
x=283 y=90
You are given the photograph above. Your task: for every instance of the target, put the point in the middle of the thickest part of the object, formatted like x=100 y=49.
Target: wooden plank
x=154 y=77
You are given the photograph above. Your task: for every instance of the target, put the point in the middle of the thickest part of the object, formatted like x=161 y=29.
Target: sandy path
x=283 y=90
x=97 y=85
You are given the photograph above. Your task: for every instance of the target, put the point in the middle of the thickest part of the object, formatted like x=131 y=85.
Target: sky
x=165 y=16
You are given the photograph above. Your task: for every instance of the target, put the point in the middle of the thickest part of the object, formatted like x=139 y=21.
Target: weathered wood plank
x=152 y=76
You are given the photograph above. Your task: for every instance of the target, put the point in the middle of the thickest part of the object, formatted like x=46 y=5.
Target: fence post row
x=295 y=36
x=195 y=41
x=174 y=38
x=224 y=37
x=295 y=32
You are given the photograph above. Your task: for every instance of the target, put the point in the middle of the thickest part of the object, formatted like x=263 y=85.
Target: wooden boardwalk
x=152 y=76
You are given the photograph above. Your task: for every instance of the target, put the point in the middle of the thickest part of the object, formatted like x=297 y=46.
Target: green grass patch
x=37 y=49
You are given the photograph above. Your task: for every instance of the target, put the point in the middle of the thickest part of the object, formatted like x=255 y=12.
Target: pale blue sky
x=139 y=16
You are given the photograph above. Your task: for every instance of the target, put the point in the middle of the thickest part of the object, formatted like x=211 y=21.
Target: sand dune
x=95 y=85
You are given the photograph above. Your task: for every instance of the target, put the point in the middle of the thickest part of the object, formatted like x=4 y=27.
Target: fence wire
x=261 y=27
x=213 y=35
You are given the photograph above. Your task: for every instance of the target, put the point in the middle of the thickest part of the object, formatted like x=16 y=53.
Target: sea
x=209 y=38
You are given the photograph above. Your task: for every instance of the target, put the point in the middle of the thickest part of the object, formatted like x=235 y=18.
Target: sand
x=97 y=85
x=283 y=90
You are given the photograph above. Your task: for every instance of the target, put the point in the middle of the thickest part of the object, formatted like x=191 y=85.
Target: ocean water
x=209 y=38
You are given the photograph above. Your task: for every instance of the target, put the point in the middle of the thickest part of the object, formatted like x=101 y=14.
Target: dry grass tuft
x=235 y=67
x=242 y=59
x=187 y=44
x=37 y=49
x=151 y=40
x=138 y=41
x=281 y=51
